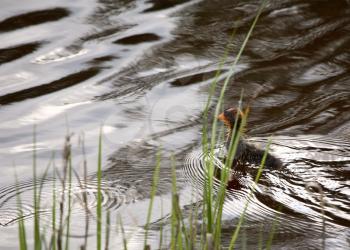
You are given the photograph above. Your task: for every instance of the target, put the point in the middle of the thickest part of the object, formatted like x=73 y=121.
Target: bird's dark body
x=247 y=155
x=247 y=160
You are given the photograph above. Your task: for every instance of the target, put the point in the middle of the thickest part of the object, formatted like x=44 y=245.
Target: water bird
x=246 y=154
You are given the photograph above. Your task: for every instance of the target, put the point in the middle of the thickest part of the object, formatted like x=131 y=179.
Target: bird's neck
x=241 y=146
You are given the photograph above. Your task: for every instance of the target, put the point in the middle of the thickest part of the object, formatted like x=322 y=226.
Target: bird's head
x=229 y=116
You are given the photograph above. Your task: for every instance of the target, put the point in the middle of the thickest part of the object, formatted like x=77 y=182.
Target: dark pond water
x=141 y=70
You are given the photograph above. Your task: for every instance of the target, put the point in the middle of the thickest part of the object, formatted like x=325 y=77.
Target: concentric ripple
x=309 y=161
x=17 y=200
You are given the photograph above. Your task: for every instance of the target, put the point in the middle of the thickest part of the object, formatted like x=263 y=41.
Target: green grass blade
x=21 y=225
x=37 y=241
x=176 y=242
x=68 y=216
x=224 y=180
x=209 y=168
x=241 y=219
x=153 y=193
x=182 y=231
x=99 y=195
x=108 y=222
x=271 y=234
x=260 y=242
x=161 y=224
x=125 y=243
x=53 y=224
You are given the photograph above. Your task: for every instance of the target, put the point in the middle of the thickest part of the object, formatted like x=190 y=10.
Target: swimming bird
x=246 y=154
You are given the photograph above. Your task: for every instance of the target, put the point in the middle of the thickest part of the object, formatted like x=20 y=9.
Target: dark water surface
x=143 y=69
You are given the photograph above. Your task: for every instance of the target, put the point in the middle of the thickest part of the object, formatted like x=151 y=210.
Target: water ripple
x=282 y=195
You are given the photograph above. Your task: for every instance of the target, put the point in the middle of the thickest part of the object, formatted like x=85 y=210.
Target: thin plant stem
x=225 y=174
x=53 y=224
x=108 y=221
x=69 y=200
x=37 y=241
x=209 y=172
x=99 y=195
x=21 y=225
x=153 y=193
x=66 y=156
x=125 y=243
x=177 y=204
x=272 y=233
x=161 y=224
x=252 y=190
x=85 y=194
x=260 y=242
